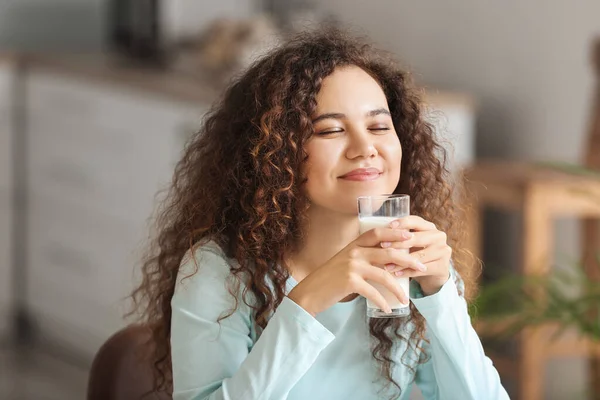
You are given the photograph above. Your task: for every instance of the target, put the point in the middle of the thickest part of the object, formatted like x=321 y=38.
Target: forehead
x=349 y=88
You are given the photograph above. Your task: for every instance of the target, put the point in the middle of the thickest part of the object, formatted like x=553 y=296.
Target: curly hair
x=239 y=183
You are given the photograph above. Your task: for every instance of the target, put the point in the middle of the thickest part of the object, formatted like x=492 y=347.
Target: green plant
x=574 y=169
x=566 y=297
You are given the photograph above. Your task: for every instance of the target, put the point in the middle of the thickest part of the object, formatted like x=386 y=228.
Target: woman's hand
x=347 y=272
x=429 y=246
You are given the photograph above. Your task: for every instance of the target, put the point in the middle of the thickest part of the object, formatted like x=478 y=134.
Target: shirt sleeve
x=221 y=360
x=457 y=367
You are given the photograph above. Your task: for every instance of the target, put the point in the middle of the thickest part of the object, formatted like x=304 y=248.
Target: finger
x=432 y=269
x=422 y=239
x=369 y=292
x=385 y=257
x=430 y=254
x=424 y=256
x=437 y=266
x=375 y=237
x=439 y=257
x=409 y=273
x=402 y=244
x=413 y=222
x=384 y=278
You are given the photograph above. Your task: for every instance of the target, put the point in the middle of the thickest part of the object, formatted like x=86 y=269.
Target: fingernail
x=389 y=267
x=386 y=244
x=421 y=267
x=398 y=273
x=407 y=235
x=405 y=301
x=394 y=224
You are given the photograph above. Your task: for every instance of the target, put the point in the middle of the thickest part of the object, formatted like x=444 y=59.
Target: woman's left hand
x=428 y=245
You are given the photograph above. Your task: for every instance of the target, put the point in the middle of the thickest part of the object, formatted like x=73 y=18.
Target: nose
x=361 y=145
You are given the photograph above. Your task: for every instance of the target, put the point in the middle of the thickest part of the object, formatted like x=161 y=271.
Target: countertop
x=110 y=69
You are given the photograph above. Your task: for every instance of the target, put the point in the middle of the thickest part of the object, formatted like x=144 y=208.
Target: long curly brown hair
x=239 y=183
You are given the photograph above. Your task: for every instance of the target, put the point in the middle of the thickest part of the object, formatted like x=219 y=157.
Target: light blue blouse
x=298 y=357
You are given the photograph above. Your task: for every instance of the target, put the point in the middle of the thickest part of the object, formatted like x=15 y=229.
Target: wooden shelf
x=568 y=344
x=541 y=194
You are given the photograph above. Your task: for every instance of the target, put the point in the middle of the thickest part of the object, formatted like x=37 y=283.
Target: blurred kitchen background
x=98 y=97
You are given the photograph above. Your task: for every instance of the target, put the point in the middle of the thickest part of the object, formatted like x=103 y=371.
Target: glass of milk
x=380 y=211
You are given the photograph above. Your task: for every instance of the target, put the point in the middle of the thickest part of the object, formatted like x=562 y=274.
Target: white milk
x=366 y=224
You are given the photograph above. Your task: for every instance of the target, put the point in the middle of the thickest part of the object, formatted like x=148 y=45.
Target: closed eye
x=340 y=130
x=329 y=132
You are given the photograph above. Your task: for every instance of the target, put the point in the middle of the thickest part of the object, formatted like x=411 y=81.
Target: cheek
x=321 y=161
x=315 y=170
x=393 y=156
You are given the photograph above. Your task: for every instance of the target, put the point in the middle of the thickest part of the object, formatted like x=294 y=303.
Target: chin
x=373 y=191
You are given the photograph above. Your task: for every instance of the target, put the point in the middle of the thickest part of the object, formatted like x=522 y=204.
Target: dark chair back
x=120 y=371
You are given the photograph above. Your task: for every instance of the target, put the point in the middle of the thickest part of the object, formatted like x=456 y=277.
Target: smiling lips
x=362 y=174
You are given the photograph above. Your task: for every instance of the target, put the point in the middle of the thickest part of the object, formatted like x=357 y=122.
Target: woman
x=257 y=286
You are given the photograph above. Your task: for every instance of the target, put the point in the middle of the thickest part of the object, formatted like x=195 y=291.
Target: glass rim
x=385 y=196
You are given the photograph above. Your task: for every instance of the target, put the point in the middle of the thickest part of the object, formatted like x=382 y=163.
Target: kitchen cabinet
x=98 y=153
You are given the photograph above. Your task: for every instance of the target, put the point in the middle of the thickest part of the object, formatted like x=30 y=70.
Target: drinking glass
x=380 y=211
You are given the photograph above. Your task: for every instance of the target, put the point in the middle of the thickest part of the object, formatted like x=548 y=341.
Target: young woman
x=256 y=288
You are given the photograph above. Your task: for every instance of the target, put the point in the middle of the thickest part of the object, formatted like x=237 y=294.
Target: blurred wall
x=83 y=24
x=527 y=63
x=52 y=24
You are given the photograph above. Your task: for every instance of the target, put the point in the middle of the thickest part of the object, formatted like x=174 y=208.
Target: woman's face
x=355 y=150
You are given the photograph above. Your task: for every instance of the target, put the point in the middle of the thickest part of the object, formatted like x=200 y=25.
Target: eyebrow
x=372 y=113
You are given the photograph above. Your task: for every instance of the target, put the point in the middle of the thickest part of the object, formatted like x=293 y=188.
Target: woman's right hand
x=347 y=272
